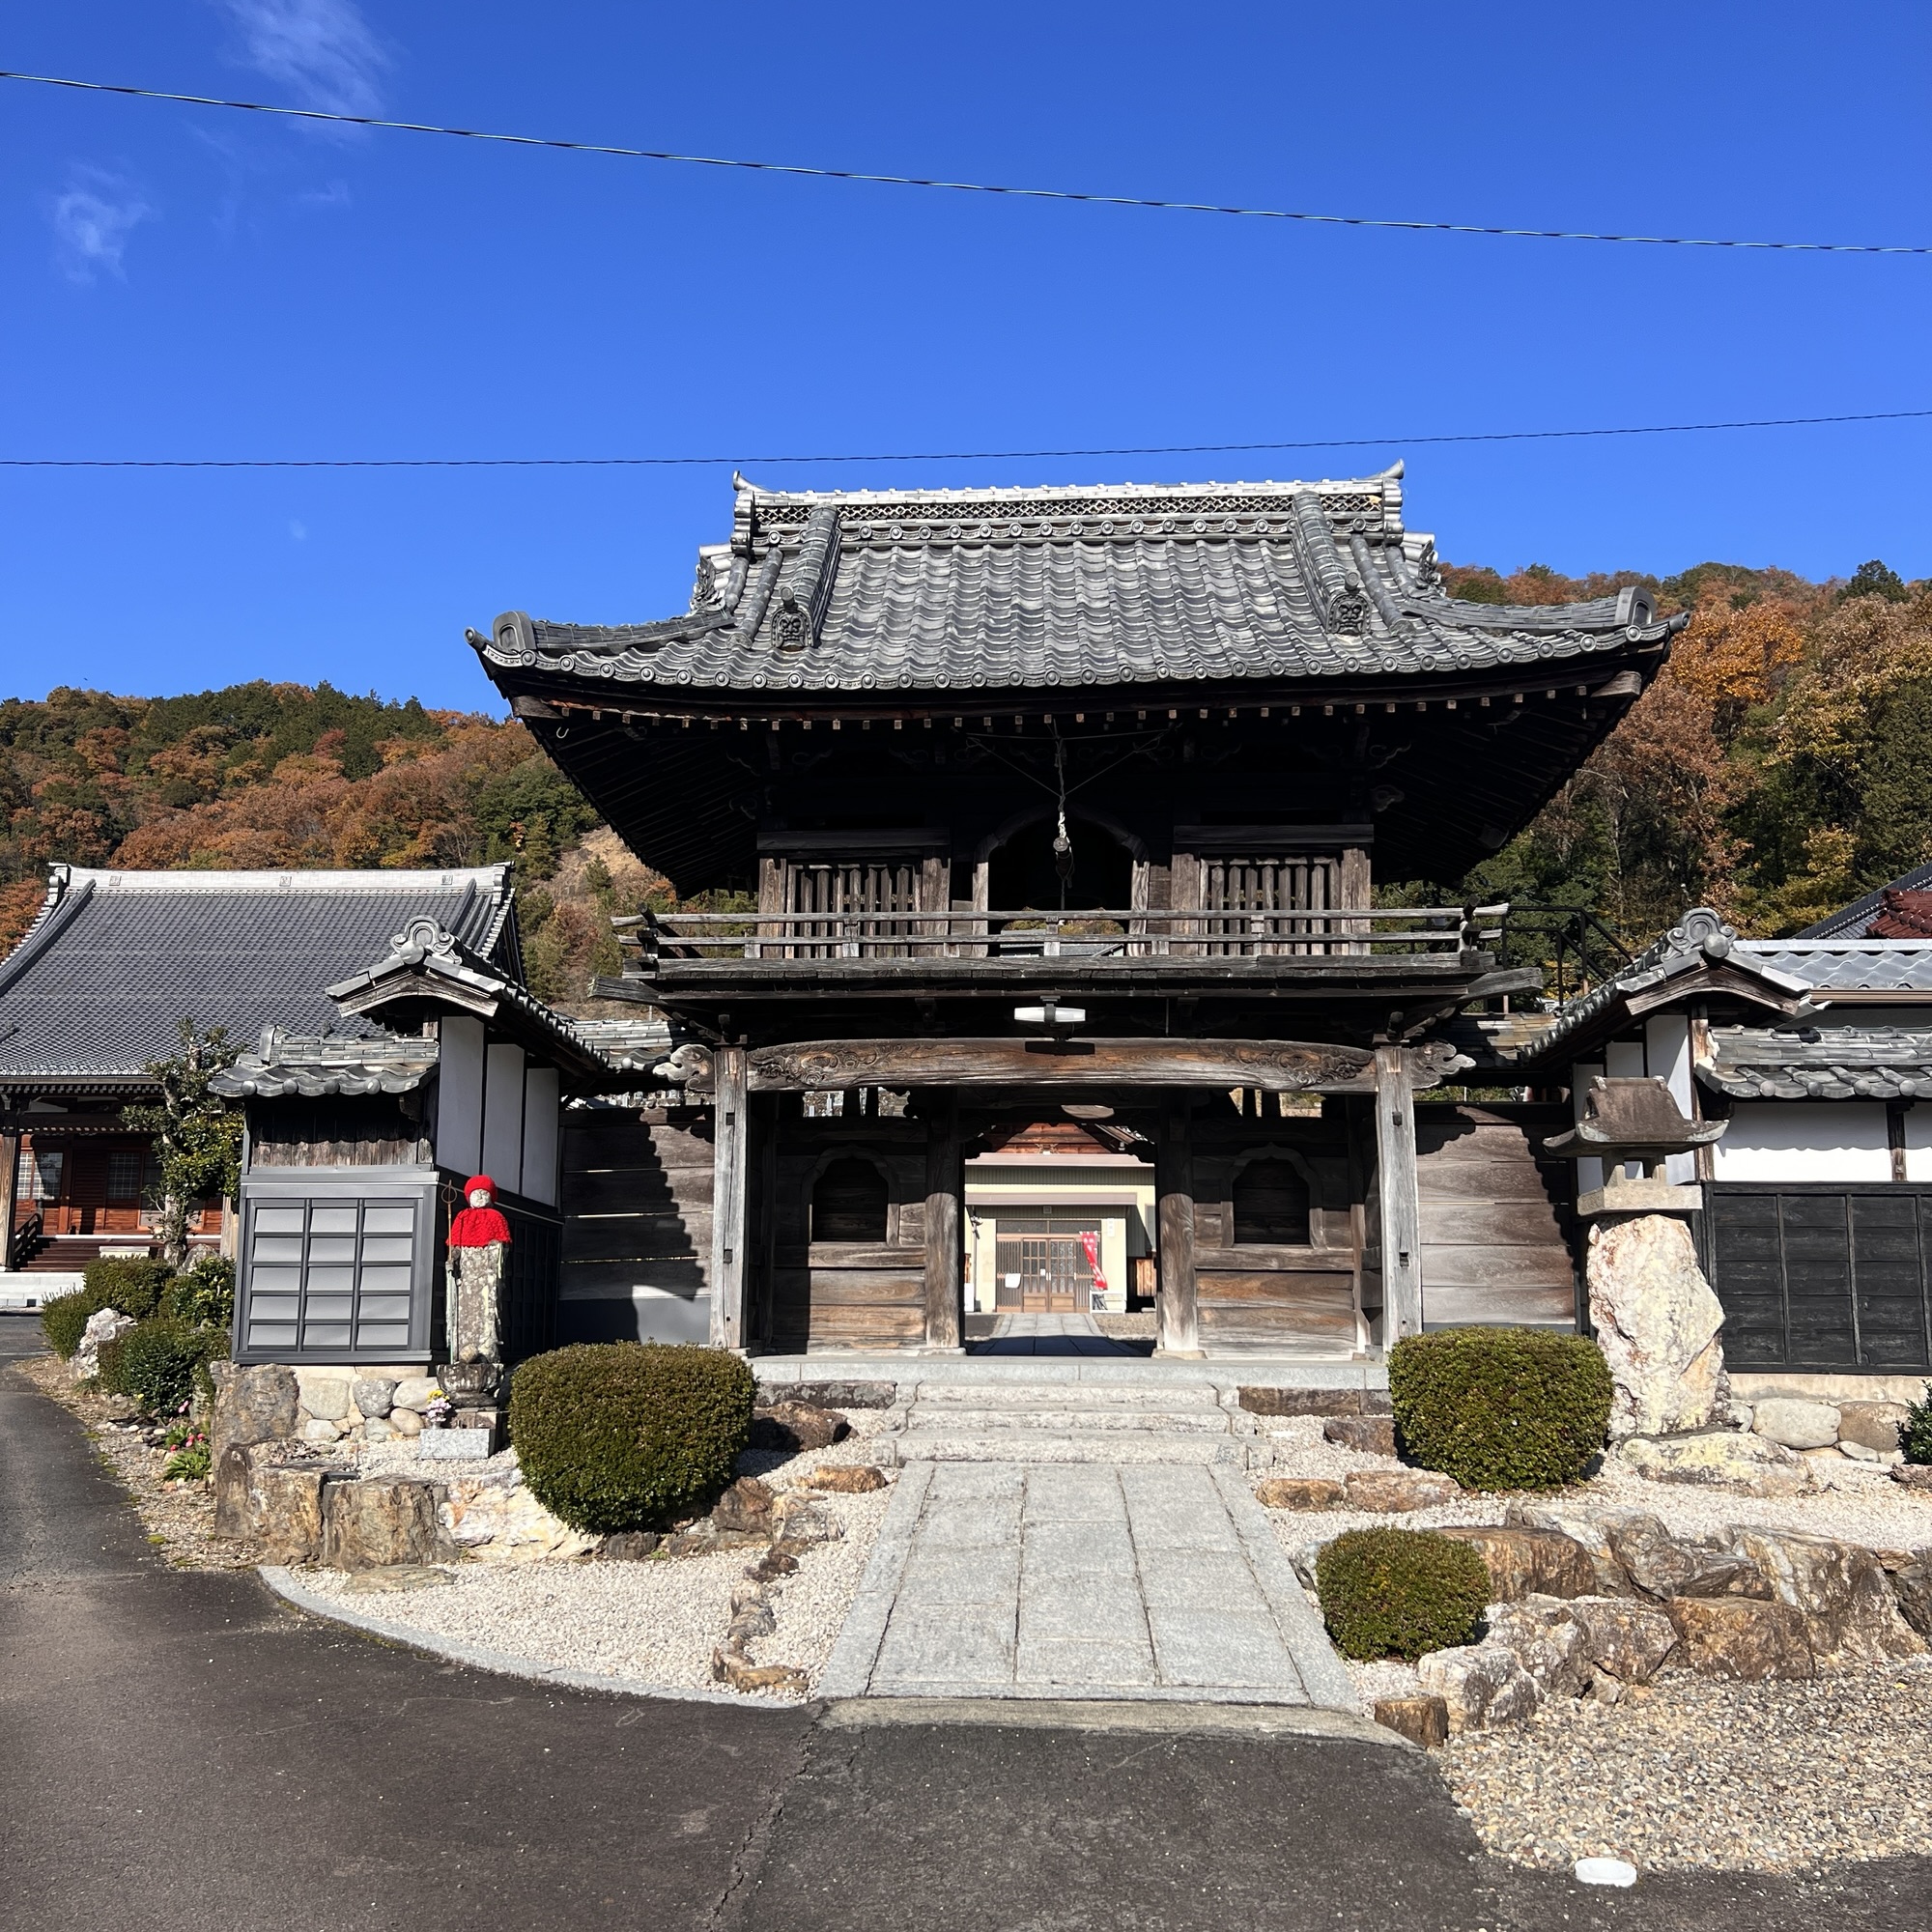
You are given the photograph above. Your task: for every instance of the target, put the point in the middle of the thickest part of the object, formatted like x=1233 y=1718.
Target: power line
x=968 y=187
x=927 y=456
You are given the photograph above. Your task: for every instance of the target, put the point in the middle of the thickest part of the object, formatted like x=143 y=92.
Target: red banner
x=1090 y=1245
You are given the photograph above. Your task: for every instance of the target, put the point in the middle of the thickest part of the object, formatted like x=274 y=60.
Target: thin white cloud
x=298 y=530
x=93 y=216
x=322 y=50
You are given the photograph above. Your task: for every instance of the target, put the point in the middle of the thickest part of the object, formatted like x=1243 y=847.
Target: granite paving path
x=994 y=1579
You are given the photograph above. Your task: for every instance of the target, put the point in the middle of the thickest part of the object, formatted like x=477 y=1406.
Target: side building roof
x=971 y=594
x=114 y=961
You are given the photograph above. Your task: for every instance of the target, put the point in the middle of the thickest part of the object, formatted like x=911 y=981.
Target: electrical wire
x=933 y=456
x=966 y=187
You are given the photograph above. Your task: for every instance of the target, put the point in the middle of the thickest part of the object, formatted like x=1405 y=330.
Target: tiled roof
x=1009 y=589
x=1820 y=1063
x=1855 y=921
x=1849 y=965
x=283 y=1066
x=116 y=960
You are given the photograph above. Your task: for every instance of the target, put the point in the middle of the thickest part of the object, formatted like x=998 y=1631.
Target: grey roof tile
x=1848 y=965
x=115 y=960
x=1820 y=1063
x=1008 y=589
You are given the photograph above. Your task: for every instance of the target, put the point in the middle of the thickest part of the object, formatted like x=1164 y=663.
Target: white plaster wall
x=1918 y=1142
x=1589 y=1173
x=540 y=1134
x=1805 y=1140
x=459 y=1095
x=1666 y=1056
x=503 y=1117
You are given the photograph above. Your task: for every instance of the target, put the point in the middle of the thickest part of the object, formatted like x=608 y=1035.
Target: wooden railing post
x=1178 y=1319
x=1401 y=1209
x=730 y=1122
x=944 y=1178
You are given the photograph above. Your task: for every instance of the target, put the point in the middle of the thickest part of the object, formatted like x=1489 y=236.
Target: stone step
x=1044 y=1394
x=1072 y=1445
x=1063 y=1417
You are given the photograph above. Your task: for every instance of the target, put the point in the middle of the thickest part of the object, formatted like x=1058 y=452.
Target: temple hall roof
x=972 y=592
x=115 y=960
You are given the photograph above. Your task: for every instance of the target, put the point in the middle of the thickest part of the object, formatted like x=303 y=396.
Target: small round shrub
x=204 y=1295
x=1914 y=1433
x=616 y=1435
x=1500 y=1408
x=64 y=1320
x=1400 y=1592
x=131 y=1283
x=160 y=1363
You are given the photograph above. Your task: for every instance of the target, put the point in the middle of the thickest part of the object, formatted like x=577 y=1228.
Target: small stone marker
x=454 y=1445
x=1604 y=1871
x=1422 y=1721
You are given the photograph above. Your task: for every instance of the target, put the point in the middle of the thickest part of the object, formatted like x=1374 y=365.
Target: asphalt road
x=182 y=1751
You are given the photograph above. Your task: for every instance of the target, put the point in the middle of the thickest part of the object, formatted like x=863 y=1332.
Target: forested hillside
x=1780 y=766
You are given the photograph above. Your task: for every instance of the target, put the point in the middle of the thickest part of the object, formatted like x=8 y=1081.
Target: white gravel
x=652 y=1624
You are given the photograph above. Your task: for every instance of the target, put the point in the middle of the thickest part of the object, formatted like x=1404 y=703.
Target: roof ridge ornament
x=1701 y=931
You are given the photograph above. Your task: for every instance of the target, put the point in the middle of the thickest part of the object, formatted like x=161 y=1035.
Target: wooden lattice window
x=1270 y=1206
x=1255 y=888
x=850 y=1203
x=866 y=905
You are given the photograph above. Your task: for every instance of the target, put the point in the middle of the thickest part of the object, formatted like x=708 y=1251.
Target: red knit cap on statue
x=478 y=1227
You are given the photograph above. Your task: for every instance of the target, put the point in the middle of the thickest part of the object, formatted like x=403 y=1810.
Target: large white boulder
x=1796 y=1421
x=104 y=1324
x=1656 y=1322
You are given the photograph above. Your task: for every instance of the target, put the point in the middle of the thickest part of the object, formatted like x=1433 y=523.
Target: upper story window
x=1270 y=1206
x=850 y=1203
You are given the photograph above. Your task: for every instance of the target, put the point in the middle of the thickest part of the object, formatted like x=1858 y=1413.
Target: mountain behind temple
x=1779 y=766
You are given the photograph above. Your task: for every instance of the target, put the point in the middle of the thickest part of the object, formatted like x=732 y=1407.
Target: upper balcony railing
x=1105 y=934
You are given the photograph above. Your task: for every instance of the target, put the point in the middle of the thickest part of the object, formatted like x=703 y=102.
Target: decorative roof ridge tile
x=291 y=878
x=1020 y=493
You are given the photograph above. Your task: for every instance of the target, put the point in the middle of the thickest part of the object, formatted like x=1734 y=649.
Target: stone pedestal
x=1656 y=1322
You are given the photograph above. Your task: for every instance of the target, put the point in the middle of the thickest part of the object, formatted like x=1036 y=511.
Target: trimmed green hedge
x=617 y=1436
x=1400 y=1592
x=1914 y=1433
x=203 y=1294
x=160 y=1363
x=131 y=1283
x=1500 y=1408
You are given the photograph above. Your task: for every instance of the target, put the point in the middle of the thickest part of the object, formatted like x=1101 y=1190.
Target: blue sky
x=185 y=282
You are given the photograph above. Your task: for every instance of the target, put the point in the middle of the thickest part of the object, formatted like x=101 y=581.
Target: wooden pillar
x=730 y=1120
x=1174 y=1181
x=9 y=1186
x=944 y=1183
x=1400 y=1210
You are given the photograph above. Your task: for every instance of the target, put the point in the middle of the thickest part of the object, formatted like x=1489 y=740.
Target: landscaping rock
x=1796 y=1422
x=1481 y=1684
x=1657 y=1321
x=1914 y=1475
x=1659 y=1565
x=278 y=1506
x=789 y=1427
x=1583 y=1526
x=628 y=1545
x=325 y=1397
x=778 y=1561
x=1422 y=1721
x=405 y=1421
x=1299 y=1492
x=1871 y=1425
x=1391 y=1491
x=742 y=1675
x=1741 y=1637
x=1718 y=1458
x=798 y=1521
x=397 y=1576
x=1368 y=1434
x=251 y=1405
x=1530 y=1562
x=1912 y=1590
x=1300 y=1401
x=1841 y=1589
x=746 y=1505
x=491 y=1514
x=380 y=1521
x=1622 y=1638
x=320 y=1432
x=1548 y=1644
x=414 y=1391
x=846 y=1479
x=373 y=1395
x=103 y=1325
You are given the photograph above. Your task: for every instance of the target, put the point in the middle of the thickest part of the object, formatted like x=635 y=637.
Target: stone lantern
x=1655 y=1318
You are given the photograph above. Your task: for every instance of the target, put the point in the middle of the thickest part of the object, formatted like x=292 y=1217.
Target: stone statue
x=479 y=1239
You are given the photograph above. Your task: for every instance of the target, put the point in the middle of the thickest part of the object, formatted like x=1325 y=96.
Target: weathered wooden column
x=1401 y=1209
x=945 y=1181
x=730 y=1119
x=1179 y=1322
x=9 y=1186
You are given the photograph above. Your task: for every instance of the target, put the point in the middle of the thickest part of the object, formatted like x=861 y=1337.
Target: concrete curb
x=848 y=1670
x=502 y=1663
x=1161 y=1718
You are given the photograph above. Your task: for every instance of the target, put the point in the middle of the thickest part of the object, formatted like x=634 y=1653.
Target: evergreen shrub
x=130 y=1283
x=1400 y=1592
x=203 y=1294
x=1500 y=1408
x=1914 y=1433
x=160 y=1363
x=617 y=1436
x=64 y=1320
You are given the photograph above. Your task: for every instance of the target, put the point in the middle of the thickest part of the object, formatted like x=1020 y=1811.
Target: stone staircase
x=1007 y=1421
